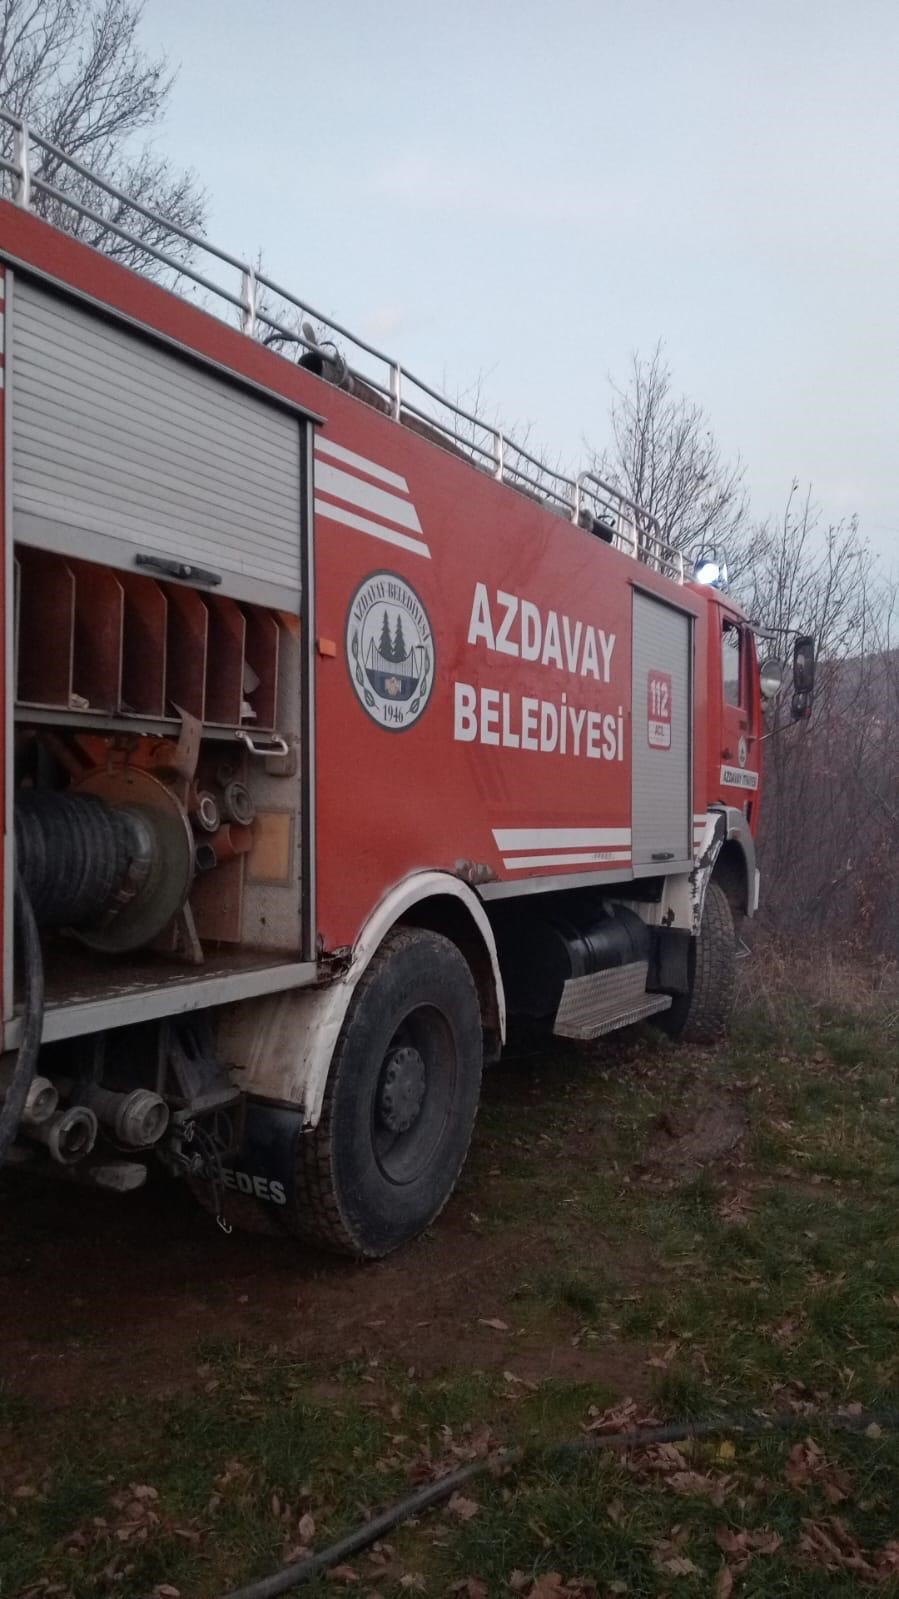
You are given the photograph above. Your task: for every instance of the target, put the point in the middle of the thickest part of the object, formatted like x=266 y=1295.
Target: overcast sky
x=528 y=191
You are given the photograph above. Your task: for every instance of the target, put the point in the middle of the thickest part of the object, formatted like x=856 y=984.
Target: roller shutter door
x=120 y=445
x=662 y=733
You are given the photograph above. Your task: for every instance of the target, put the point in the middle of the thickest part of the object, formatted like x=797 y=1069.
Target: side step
x=597 y=1004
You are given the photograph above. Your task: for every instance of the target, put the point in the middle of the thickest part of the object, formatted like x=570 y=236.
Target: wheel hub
x=402 y=1090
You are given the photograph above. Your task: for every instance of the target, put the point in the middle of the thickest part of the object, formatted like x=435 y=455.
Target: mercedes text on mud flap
x=332 y=741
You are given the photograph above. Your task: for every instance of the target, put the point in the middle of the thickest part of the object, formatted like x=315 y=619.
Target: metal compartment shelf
x=113 y=649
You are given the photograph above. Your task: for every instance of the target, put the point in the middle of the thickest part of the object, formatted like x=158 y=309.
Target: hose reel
x=110 y=860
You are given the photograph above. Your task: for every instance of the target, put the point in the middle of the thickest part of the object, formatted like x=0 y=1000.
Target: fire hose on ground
x=436 y=1493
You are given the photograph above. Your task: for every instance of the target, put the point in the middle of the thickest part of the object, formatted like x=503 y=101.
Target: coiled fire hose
x=436 y=1493
x=32 y=1021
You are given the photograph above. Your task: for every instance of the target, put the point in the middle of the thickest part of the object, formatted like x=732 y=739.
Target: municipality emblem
x=390 y=650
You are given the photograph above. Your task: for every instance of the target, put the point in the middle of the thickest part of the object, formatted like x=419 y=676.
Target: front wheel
x=702 y=1015
x=400 y=1103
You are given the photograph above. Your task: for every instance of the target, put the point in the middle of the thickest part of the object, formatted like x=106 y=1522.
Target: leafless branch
x=664 y=455
x=75 y=70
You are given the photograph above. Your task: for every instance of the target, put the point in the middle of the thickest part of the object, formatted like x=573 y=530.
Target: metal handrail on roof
x=585 y=500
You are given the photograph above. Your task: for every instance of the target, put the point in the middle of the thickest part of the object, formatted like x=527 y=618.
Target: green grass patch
x=765 y=1277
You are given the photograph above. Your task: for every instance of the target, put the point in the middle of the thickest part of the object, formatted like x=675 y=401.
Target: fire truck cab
x=338 y=733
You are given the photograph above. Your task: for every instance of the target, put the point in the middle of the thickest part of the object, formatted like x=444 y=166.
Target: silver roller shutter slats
x=117 y=438
x=661 y=819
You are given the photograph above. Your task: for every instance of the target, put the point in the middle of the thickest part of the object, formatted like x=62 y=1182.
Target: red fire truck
x=337 y=731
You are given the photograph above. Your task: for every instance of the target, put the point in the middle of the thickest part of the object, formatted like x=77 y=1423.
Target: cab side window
x=731 y=663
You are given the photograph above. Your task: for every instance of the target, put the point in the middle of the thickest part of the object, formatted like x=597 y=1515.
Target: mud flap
x=669 y=961
x=261 y=1179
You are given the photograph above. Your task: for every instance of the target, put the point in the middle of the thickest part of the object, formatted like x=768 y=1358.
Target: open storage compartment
x=93 y=639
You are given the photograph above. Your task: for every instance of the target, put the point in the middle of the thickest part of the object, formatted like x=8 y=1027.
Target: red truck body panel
x=424 y=796
x=474 y=656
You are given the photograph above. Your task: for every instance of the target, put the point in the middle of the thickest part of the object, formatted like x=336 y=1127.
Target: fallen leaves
x=623 y=1417
x=677 y=1565
x=742 y=1545
x=137 y=1513
x=143 y=1492
x=520 y=1382
x=669 y=1554
x=134 y=1520
x=831 y=1544
x=663 y=1361
x=475 y=1443
x=464 y=1509
x=808 y=1463
x=670 y=1464
x=659 y=1459
x=699 y=1485
x=552 y=1585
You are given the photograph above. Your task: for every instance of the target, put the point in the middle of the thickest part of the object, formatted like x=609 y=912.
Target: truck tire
x=702 y=1015
x=400 y=1103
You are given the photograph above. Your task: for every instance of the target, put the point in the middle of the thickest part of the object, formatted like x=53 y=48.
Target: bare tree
x=810 y=578
x=830 y=814
x=664 y=455
x=829 y=819
x=75 y=71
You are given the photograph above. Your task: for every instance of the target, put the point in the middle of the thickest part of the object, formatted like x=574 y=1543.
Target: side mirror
x=801 y=707
x=804 y=666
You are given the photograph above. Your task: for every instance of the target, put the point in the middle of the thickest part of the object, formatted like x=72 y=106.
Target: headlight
x=771 y=676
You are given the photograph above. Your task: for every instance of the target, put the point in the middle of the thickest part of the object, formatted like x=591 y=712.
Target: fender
x=281 y=1045
x=745 y=870
x=684 y=897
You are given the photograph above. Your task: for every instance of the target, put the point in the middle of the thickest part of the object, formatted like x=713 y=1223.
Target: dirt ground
x=108 y=1293
x=99 y=1292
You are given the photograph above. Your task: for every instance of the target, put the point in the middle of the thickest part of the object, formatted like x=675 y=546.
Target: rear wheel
x=702 y=1015
x=400 y=1103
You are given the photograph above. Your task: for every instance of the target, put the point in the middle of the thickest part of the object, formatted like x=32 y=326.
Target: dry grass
x=781 y=983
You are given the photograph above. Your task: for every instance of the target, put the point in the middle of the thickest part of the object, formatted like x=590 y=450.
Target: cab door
x=736 y=764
